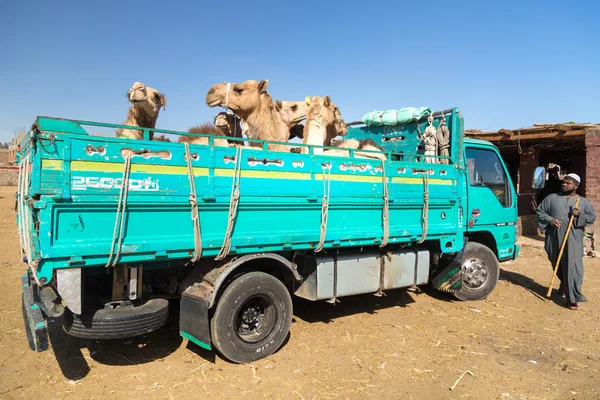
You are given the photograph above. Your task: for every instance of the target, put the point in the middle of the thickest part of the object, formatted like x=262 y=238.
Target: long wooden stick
x=561 y=250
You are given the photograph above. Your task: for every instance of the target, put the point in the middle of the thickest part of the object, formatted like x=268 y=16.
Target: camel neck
x=264 y=124
x=140 y=118
x=315 y=132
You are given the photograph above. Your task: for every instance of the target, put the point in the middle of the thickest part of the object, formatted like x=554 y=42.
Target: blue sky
x=505 y=64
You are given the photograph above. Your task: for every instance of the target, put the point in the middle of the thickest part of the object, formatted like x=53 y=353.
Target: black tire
x=481 y=272
x=117 y=323
x=252 y=318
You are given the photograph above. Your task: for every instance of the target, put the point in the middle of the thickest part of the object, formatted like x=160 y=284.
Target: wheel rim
x=255 y=319
x=475 y=273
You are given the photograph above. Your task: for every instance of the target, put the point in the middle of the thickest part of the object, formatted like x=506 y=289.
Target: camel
x=229 y=125
x=364 y=144
x=323 y=123
x=292 y=113
x=145 y=106
x=251 y=102
x=206 y=129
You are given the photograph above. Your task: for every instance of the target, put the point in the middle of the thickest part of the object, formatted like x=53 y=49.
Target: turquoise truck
x=113 y=229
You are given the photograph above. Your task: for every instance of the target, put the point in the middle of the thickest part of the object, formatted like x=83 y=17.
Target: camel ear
x=163 y=101
x=262 y=86
x=278 y=105
x=326 y=101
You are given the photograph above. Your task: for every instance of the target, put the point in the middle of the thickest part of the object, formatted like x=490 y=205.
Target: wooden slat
x=530 y=136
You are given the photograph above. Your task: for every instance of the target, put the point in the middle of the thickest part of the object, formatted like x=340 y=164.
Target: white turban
x=575 y=177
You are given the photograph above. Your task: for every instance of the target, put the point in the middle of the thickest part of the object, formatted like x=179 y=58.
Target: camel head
x=292 y=112
x=229 y=124
x=340 y=126
x=146 y=99
x=241 y=98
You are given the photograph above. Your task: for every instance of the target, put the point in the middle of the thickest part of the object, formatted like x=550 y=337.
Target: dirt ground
x=514 y=345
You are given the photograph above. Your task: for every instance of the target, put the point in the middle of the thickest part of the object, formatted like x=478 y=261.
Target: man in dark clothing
x=553 y=216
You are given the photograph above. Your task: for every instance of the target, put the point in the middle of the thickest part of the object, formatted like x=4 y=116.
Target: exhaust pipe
x=51 y=304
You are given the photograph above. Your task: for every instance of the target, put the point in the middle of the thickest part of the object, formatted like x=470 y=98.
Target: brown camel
x=323 y=123
x=206 y=129
x=251 y=102
x=229 y=125
x=145 y=106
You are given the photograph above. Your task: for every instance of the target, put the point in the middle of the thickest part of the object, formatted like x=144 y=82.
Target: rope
x=519 y=141
x=233 y=205
x=20 y=197
x=227 y=96
x=194 y=204
x=120 y=217
x=26 y=220
x=386 y=208
x=324 y=206
x=424 y=217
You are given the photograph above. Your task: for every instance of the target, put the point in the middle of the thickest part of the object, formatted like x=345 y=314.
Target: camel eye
x=238 y=90
x=294 y=107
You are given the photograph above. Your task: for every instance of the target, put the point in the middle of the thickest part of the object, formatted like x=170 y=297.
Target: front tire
x=480 y=270
x=252 y=318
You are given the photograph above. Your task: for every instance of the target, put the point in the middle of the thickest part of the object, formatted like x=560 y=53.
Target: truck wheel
x=252 y=318
x=117 y=323
x=480 y=271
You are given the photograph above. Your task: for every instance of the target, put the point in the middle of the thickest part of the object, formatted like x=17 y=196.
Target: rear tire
x=481 y=271
x=252 y=318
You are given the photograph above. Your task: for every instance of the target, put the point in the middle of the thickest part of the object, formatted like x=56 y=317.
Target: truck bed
x=74 y=185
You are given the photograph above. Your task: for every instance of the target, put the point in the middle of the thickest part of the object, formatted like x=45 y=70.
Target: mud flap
x=193 y=319
x=35 y=324
x=450 y=278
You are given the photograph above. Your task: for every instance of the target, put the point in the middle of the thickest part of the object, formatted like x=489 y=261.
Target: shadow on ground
x=130 y=351
x=531 y=286
x=321 y=311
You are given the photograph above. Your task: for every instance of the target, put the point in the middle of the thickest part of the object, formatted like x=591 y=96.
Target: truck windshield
x=485 y=169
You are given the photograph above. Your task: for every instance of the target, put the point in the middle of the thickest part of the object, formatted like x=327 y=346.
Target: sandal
x=572 y=306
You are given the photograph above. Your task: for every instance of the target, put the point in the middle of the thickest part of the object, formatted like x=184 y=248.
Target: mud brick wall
x=528 y=161
x=592 y=172
x=9 y=177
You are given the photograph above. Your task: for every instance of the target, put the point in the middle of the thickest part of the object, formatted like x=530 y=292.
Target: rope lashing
x=117 y=238
x=324 y=206
x=424 y=216
x=233 y=205
x=386 y=208
x=194 y=204
x=26 y=219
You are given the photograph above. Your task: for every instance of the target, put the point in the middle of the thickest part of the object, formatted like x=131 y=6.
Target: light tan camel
x=251 y=102
x=207 y=129
x=323 y=123
x=292 y=113
x=364 y=144
x=145 y=106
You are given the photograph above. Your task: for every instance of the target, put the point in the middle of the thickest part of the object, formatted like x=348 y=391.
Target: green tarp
x=395 y=117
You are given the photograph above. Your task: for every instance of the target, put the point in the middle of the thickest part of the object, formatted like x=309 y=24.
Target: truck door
x=491 y=204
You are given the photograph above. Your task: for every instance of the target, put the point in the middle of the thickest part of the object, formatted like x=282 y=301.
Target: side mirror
x=539 y=178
